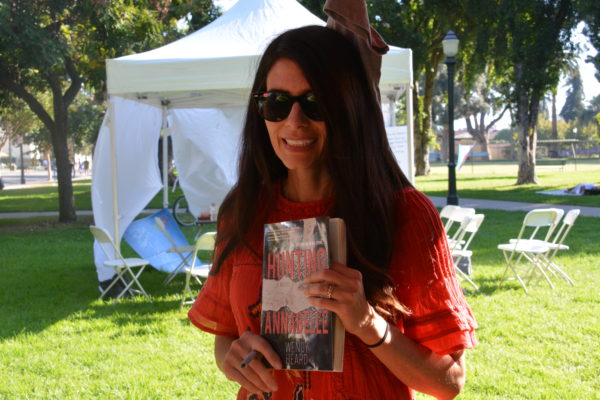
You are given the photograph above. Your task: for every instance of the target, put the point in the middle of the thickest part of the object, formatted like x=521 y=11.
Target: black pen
x=251 y=356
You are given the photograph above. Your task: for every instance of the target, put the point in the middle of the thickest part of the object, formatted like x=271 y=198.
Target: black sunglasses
x=275 y=105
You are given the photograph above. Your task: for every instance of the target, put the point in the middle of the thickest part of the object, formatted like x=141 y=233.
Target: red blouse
x=440 y=319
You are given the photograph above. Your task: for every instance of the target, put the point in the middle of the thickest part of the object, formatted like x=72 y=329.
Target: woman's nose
x=296 y=116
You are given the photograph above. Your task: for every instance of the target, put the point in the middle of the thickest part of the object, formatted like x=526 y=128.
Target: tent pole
x=392 y=108
x=113 y=166
x=165 y=154
x=409 y=126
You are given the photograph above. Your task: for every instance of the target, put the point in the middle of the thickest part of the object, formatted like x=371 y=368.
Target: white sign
x=402 y=149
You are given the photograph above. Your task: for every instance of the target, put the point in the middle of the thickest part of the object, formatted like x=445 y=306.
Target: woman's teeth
x=298 y=143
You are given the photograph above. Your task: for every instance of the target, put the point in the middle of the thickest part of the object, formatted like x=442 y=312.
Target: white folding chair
x=185 y=253
x=445 y=215
x=558 y=243
x=529 y=248
x=467 y=231
x=122 y=266
x=205 y=242
x=456 y=217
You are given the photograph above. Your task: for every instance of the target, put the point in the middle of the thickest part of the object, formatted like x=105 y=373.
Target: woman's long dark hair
x=365 y=177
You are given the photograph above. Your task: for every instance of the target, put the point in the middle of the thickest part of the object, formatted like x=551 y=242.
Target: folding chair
x=456 y=216
x=185 y=252
x=205 y=242
x=122 y=266
x=445 y=215
x=530 y=248
x=557 y=243
x=467 y=231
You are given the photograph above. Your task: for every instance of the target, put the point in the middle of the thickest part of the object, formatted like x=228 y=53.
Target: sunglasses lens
x=276 y=106
x=310 y=107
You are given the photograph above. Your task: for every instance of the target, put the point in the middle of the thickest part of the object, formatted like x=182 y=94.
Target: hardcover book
x=305 y=337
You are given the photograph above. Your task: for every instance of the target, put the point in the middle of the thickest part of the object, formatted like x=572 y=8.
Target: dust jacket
x=305 y=337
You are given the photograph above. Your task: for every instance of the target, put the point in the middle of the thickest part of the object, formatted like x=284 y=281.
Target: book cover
x=305 y=337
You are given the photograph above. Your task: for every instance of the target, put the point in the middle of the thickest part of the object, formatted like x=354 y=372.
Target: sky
x=591 y=86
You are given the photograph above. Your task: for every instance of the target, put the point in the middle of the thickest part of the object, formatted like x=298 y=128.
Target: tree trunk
x=64 y=167
x=554 y=146
x=526 y=122
x=48 y=164
x=478 y=132
x=421 y=161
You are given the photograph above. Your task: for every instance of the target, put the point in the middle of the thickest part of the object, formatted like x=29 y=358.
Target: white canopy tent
x=196 y=90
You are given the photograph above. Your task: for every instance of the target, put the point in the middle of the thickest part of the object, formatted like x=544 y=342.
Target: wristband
x=385 y=335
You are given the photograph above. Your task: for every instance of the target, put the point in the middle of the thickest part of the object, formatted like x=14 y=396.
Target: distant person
x=314 y=144
x=86 y=167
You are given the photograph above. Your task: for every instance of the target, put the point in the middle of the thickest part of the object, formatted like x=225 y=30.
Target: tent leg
x=113 y=166
x=165 y=155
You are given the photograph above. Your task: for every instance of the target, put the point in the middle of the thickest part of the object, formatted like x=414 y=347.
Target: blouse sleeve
x=212 y=311
x=426 y=282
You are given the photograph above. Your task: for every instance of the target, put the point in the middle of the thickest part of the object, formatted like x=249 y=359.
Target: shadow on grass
x=47 y=275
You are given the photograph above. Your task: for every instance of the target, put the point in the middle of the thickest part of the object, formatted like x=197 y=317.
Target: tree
x=421 y=26
x=526 y=42
x=16 y=120
x=58 y=46
x=589 y=12
x=573 y=107
x=476 y=104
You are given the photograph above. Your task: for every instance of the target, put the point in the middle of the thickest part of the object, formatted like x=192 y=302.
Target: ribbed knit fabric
x=421 y=268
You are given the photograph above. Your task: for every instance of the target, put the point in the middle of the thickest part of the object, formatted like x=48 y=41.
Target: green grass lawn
x=493 y=180
x=45 y=198
x=496 y=181
x=57 y=341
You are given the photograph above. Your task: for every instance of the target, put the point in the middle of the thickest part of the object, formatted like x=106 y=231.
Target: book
x=304 y=337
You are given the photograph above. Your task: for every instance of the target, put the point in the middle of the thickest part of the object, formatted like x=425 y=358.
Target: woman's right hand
x=254 y=377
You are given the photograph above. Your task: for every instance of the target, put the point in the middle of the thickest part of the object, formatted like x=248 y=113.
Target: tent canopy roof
x=214 y=66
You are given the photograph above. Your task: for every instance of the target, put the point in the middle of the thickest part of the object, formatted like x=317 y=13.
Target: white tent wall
x=136 y=164
x=204 y=79
x=205 y=149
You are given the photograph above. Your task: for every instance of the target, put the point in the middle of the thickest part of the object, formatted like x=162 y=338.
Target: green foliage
x=589 y=12
x=59 y=46
x=507 y=135
x=573 y=107
x=16 y=120
x=544 y=128
x=527 y=44
x=85 y=119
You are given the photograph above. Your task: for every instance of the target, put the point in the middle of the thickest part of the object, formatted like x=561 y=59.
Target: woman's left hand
x=340 y=290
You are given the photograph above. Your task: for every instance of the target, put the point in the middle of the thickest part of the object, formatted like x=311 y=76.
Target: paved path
x=514 y=206
x=33 y=178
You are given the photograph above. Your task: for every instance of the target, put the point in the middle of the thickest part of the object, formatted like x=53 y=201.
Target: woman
x=314 y=144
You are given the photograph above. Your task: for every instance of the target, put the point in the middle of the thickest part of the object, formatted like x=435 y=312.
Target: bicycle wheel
x=182 y=213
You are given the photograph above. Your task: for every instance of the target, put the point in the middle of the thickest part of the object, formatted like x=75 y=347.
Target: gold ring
x=329 y=291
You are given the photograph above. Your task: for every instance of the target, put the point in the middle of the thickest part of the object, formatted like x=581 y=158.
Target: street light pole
x=450 y=44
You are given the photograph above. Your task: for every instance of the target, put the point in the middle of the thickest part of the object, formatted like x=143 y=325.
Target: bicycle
x=182 y=213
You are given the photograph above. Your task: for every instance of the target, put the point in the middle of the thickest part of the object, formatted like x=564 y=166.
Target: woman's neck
x=304 y=188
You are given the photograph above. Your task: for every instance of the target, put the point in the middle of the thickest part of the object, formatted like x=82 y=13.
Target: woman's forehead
x=286 y=75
